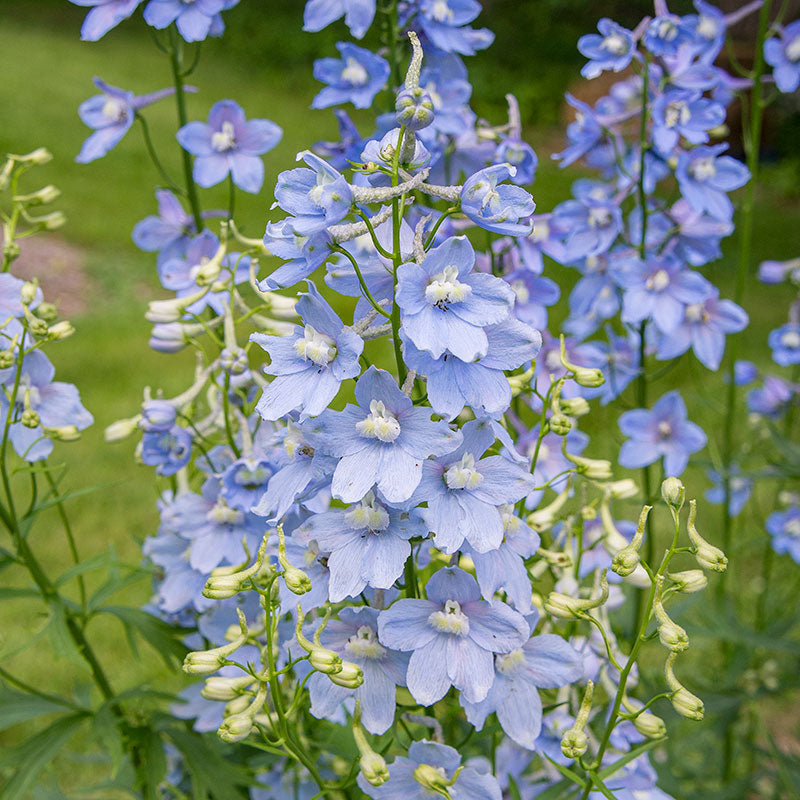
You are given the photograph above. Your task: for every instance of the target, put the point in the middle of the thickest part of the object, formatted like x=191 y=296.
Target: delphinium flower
x=782 y=53
x=354 y=78
x=452 y=637
x=430 y=770
x=665 y=34
x=195 y=20
x=739 y=486
x=591 y=226
x=705 y=176
x=229 y=144
x=664 y=431
x=111 y=115
x=367 y=543
x=104 y=15
x=785 y=344
x=464 y=492
x=612 y=49
x=445 y=305
x=358 y=15
x=495 y=206
x=545 y=661
x=354 y=636
x=169 y=233
x=384 y=440
x=311 y=365
x=342 y=153
x=682 y=113
x=302 y=253
x=784 y=527
x=513 y=150
x=773 y=398
x=167 y=449
x=446 y=24
x=618 y=358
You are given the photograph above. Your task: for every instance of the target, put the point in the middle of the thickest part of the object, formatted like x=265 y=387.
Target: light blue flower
x=495 y=206
x=683 y=113
x=612 y=49
x=785 y=344
x=452 y=637
x=105 y=15
x=705 y=177
x=354 y=78
x=740 y=490
x=303 y=254
x=358 y=15
x=167 y=450
x=195 y=19
x=783 y=55
x=773 y=398
x=446 y=24
x=784 y=527
x=169 y=233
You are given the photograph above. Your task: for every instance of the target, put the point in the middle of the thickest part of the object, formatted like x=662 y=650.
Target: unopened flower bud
x=296 y=580
x=63 y=433
x=650 y=725
x=44 y=195
x=36 y=157
x=706 y=554
x=324 y=660
x=235 y=728
x=593 y=468
x=520 y=382
x=560 y=424
x=61 y=330
x=29 y=418
x=625 y=561
x=28 y=292
x=414 y=108
x=237 y=705
x=233 y=360
x=350 y=675
x=689 y=580
x=671 y=635
x=575 y=407
x=373 y=768
x=121 y=429
x=623 y=489
x=584 y=376
x=46 y=311
x=566 y=607
x=574 y=743
x=204 y=662
x=543 y=518
x=225 y=689
x=50 y=222
x=683 y=701
x=7 y=358
x=434 y=779
x=673 y=492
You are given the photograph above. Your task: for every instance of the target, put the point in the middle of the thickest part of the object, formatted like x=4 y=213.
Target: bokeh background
x=102 y=283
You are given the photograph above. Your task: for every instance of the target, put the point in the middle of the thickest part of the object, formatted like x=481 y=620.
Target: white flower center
x=509 y=662
x=791 y=339
x=354 y=73
x=196 y=269
x=445 y=288
x=293 y=439
x=658 y=281
x=615 y=44
x=676 y=113
x=463 y=475
x=792 y=527
x=450 y=620
x=114 y=109
x=441 y=12
x=666 y=30
x=225 y=139
x=664 y=429
x=793 y=49
x=379 y=424
x=511 y=522
x=552 y=360
x=521 y=291
x=697 y=313
x=315 y=347
x=541 y=230
x=364 y=644
x=599 y=217
x=367 y=515
x=703 y=168
x=223 y=514
x=707 y=27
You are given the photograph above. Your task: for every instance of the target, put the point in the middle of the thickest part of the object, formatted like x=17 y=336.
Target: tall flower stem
x=176 y=60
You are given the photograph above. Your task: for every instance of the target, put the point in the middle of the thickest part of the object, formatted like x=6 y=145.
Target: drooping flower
x=354 y=78
x=445 y=305
x=311 y=364
x=104 y=15
x=229 y=144
x=452 y=637
x=368 y=544
x=542 y=662
x=111 y=115
x=495 y=206
x=384 y=440
x=664 y=431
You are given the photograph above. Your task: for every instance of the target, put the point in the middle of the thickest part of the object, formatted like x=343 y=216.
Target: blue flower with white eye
x=705 y=177
x=773 y=398
x=195 y=19
x=582 y=134
x=169 y=233
x=229 y=144
x=665 y=34
x=315 y=197
x=704 y=327
x=698 y=237
x=303 y=253
x=452 y=637
x=384 y=440
x=785 y=344
x=504 y=568
x=446 y=24
x=442 y=761
x=784 y=527
x=245 y=481
x=591 y=226
x=665 y=431
x=464 y=492
x=168 y=450
x=310 y=365
x=782 y=53
x=111 y=115
x=683 y=113
x=480 y=384
x=740 y=490
x=354 y=636
x=611 y=49
x=495 y=206
x=104 y=15
x=542 y=662
x=358 y=15
x=382 y=153
x=660 y=289
x=445 y=305
x=354 y=78
x=368 y=544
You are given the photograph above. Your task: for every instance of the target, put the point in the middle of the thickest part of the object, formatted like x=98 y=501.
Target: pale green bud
x=46 y=311
x=575 y=407
x=29 y=418
x=324 y=660
x=650 y=725
x=560 y=424
x=296 y=580
x=566 y=607
x=225 y=689
x=7 y=358
x=204 y=662
x=350 y=676
x=434 y=779
x=41 y=197
x=625 y=561
x=27 y=294
x=623 y=489
x=373 y=768
x=121 y=429
x=574 y=743
x=39 y=156
x=235 y=728
x=52 y=221
x=673 y=492
x=683 y=701
x=237 y=705
x=594 y=468
x=63 y=433
x=706 y=554
x=671 y=635
x=61 y=330
x=689 y=580
x=583 y=376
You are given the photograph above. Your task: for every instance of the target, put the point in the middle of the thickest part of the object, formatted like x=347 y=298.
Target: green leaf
x=16 y=707
x=555 y=791
x=211 y=773
x=60 y=637
x=566 y=772
x=608 y=771
x=33 y=755
x=11 y=592
x=600 y=786
x=166 y=639
x=115 y=584
x=88 y=565
x=106 y=732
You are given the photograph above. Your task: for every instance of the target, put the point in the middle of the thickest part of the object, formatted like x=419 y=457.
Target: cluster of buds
x=227 y=582
x=206 y=662
x=342 y=673
x=567 y=607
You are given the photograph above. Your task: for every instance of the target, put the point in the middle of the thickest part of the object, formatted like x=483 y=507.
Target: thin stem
x=361 y=282
x=151 y=151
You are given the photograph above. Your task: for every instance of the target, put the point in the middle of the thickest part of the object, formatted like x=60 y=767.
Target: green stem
x=176 y=60
x=151 y=151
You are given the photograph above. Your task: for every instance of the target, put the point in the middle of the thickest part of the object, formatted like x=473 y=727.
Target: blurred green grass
x=46 y=74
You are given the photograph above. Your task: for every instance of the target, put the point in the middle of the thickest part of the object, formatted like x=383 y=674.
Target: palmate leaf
x=166 y=639
x=33 y=755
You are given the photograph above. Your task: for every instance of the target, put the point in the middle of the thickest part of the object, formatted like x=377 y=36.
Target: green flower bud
x=36 y=157
x=674 y=493
x=683 y=701
x=706 y=554
x=350 y=675
x=566 y=607
x=689 y=580
x=575 y=407
x=235 y=728
x=7 y=358
x=574 y=743
x=63 y=433
x=625 y=561
x=324 y=660
x=121 y=429
x=27 y=294
x=650 y=725
x=671 y=635
x=30 y=419
x=41 y=197
x=204 y=662
x=433 y=778
x=46 y=311
x=225 y=689
x=61 y=330
x=374 y=769
x=583 y=376
x=560 y=424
